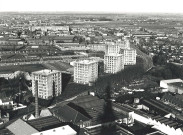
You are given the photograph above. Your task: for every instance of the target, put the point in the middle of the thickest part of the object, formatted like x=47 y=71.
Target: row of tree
x=168 y=71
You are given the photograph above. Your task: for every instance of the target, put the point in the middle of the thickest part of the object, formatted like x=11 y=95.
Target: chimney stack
x=36 y=100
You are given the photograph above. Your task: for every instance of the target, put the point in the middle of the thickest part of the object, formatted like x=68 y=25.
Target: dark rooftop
x=69 y=114
x=166 y=121
x=44 y=123
x=86 y=98
x=5 y=132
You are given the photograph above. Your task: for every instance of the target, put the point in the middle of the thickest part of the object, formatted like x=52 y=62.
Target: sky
x=106 y=6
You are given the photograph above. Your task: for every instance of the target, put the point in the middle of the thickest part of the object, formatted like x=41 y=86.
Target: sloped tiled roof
x=44 y=122
x=69 y=114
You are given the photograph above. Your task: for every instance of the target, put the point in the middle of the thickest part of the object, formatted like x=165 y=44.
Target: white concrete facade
x=164 y=83
x=49 y=83
x=129 y=56
x=85 y=71
x=113 y=63
x=122 y=47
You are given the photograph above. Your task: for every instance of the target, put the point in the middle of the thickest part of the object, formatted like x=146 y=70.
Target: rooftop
x=172 y=80
x=26 y=129
x=86 y=62
x=166 y=121
x=44 y=123
x=69 y=114
x=5 y=132
x=64 y=130
x=86 y=98
x=114 y=54
x=46 y=72
x=156 y=133
x=177 y=84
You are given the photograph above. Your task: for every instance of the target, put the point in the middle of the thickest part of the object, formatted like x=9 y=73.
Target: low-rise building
x=63 y=130
x=167 y=83
x=20 y=127
x=176 y=87
x=45 y=28
x=6 y=101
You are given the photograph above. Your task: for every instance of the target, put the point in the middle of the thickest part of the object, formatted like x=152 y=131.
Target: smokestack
x=36 y=100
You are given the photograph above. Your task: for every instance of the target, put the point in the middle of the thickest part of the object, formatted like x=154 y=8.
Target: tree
x=108 y=114
x=81 y=40
x=19 y=33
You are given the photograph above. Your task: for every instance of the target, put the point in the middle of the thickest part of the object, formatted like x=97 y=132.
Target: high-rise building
x=85 y=71
x=48 y=83
x=115 y=46
x=112 y=48
x=113 y=63
x=126 y=43
x=129 y=56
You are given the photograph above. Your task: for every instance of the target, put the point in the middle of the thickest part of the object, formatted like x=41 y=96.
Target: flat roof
x=172 y=80
x=64 y=130
x=178 y=84
x=86 y=62
x=114 y=54
x=46 y=72
x=129 y=49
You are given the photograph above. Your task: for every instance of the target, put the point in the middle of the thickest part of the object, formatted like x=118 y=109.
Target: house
x=6 y=101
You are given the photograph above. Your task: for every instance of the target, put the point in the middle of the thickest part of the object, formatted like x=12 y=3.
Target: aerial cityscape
x=77 y=73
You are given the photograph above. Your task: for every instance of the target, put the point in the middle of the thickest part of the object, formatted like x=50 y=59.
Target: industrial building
x=172 y=85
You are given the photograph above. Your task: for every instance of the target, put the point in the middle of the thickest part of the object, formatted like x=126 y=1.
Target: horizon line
x=90 y=12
